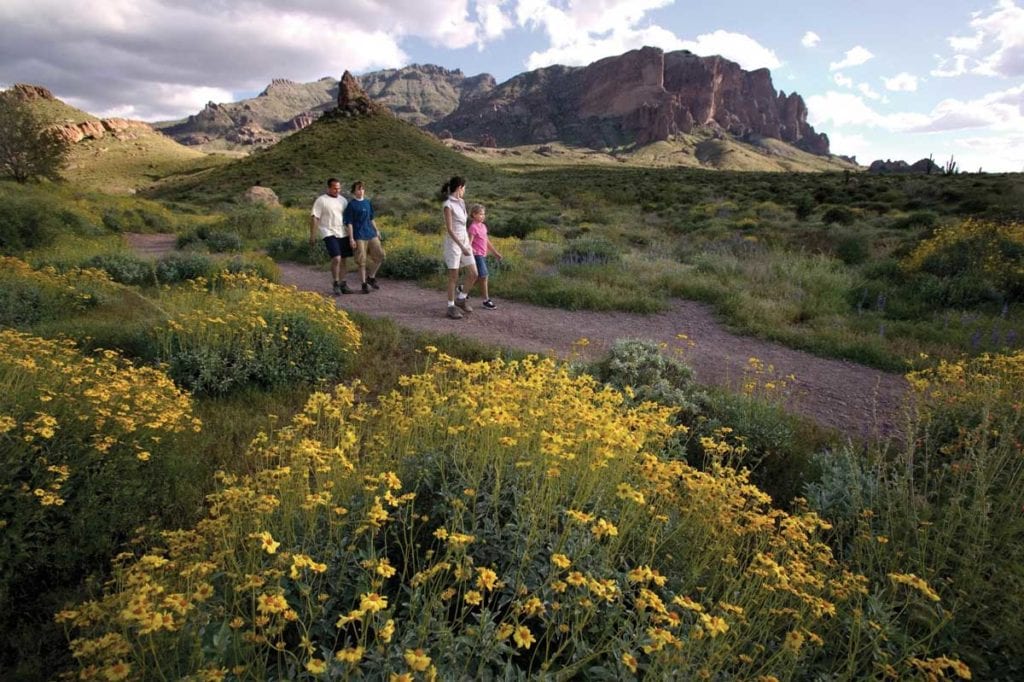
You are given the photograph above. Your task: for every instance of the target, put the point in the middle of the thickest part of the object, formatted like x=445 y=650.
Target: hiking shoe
x=464 y=304
x=372 y=281
x=337 y=288
x=454 y=313
x=366 y=288
x=489 y=304
x=344 y=288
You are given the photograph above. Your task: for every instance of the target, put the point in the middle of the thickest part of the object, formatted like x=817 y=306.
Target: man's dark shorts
x=338 y=246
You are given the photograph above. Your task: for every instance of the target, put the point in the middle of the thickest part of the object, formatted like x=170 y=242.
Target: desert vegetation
x=210 y=475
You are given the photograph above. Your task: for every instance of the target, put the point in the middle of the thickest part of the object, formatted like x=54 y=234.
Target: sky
x=892 y=79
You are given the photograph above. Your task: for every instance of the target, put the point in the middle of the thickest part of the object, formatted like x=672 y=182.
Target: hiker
x=457 y=251
x=326 y=219
x=364 y=236
x=482 y=247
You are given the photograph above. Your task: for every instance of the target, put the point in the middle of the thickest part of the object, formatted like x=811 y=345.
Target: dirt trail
x=852 y=398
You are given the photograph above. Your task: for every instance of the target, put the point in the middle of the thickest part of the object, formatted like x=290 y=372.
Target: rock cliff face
x=424 y=93
x=119 y=128
x=640 y=97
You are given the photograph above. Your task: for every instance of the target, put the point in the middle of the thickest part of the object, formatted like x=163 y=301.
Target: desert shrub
x=179 y=267
x=124 y=268
x=83 y=443
x=589 y=250
x=239 y=330
x=977 y=255
x=842 y=215
x=410 y=263
x=298 y=250
x=138 y=218
x=28 y=296
x=518 y=226
x=916 y=220
x=255 y=221
x=256 y=265
x=649 y=374
x=853 y=248
x=946 y=504
x=528 y=532
x=216 y=241
x=26 y=223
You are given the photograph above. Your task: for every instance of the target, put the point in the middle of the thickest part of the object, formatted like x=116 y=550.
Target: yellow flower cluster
x=623 y=557
x=987 y=239
x=95 y=406
x=62 y=292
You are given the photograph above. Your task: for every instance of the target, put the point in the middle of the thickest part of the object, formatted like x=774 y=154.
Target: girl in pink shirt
x=481 y=246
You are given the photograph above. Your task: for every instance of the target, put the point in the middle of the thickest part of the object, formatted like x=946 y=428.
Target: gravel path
x=843 y=395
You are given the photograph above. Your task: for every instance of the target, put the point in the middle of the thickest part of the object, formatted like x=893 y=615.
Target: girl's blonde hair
x=476 y=208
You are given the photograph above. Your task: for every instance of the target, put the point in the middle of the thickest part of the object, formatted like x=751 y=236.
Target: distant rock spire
x=352 y=99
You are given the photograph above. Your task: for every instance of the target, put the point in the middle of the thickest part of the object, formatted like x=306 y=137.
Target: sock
x=451 y=304
x=462 y=295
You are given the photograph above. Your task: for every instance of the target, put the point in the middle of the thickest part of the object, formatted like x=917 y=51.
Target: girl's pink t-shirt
x=478 y=238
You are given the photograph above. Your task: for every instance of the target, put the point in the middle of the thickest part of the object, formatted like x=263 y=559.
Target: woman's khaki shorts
x=369 y=248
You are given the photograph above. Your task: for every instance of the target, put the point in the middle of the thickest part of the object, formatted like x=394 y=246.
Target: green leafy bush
x=842 y=215
x=124 y=268
x=651 y=375
x=246 y=331
x=589 y=250
x=410 y=263
x=28 y=296
x=25 y=223
x=298 y=250
x=178 y=267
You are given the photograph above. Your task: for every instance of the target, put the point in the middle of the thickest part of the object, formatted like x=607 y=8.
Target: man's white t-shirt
x=329 y=212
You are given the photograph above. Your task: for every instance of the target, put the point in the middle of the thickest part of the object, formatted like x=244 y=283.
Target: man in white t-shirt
x=327 y=221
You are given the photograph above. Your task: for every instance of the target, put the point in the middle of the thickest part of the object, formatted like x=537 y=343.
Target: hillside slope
x=390 y=155
x=112 y=155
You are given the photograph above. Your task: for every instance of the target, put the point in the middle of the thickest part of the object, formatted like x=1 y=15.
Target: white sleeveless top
x=459 y=216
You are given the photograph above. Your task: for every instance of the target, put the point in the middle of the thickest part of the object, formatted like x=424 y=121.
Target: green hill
x=391 y=156
x=112 y=155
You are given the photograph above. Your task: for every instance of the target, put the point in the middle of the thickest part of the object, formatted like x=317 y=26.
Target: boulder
x=260 y=195
x=27 y=93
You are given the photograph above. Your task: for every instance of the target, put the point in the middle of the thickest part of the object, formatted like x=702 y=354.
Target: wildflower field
x=210 y=476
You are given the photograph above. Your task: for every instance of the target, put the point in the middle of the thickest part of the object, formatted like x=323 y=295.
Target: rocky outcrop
x=119 y=128
x=299 y=122
x=353 y=100
x=27 y=93
x=924 y=166
x=639 y=97
x=251 y=134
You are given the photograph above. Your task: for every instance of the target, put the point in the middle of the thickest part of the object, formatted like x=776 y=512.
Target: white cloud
x=842 y=81
x=868 y=92
x=810 y=39
x=854 y=57
x=580 y=33
x=159 y=58
x=1001 y=112
x=902 y=82
x=738 y=47
x=995 y=48
x=945 y=70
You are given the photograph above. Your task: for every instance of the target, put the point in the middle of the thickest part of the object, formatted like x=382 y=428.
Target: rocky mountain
x=899 y=167
x=283 y=107
x=424 y=93
x=419 y=94
x=640 y=97
x=637 y=98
